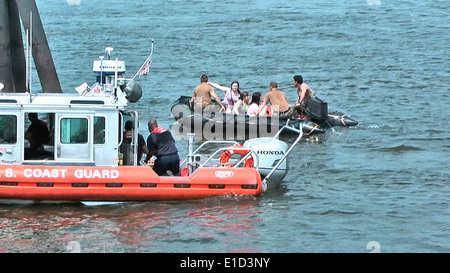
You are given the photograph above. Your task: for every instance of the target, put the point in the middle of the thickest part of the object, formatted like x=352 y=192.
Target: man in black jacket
x=160 y=143
x=38 y=135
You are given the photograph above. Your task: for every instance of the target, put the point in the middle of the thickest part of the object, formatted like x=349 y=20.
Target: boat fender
x=226 y=155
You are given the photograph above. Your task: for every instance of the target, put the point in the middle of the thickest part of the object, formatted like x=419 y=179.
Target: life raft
x=236 y=149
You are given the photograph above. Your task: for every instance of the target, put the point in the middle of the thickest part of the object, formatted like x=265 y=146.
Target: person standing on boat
x=203 y=93
x=160 y=143
x=37 y=134
x=232 y=95
x=305 y=93
x=128 y=137
x=276 y=98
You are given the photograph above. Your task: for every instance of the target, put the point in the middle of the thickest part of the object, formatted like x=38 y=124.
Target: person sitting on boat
x=128 y=136
x=203 y=93
x=38 y=135
x=241 y=106
x=305 y=93
x=160 y=143
x=278 y=99
x=232 y=95
x=252 y=110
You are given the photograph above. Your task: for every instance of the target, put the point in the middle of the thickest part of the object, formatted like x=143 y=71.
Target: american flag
x=144 y=69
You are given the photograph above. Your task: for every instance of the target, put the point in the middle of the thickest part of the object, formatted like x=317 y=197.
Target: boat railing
x=197 y=159
x=240 y=162
x=192 y=164
x=214 y=142
x=189 y=159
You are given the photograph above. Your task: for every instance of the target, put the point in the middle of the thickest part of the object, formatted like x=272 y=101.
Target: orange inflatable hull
x=124 y=183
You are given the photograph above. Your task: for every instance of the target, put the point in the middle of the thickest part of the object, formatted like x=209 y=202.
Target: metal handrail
x=249 y=153
x=207 y=143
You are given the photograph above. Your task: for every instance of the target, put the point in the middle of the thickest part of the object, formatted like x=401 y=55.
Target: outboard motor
x=270 y=151
x=317 y=109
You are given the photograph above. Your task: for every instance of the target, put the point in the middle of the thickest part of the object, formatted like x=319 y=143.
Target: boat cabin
x=82 y=130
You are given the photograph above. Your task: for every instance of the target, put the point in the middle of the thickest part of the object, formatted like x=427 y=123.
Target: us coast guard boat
x=86 y=158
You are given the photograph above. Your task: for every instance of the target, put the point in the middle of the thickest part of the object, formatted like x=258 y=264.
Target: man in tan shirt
x=203 y=93
x=276 y=98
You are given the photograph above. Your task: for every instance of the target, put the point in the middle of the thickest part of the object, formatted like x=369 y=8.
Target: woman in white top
x=232 y=94
x=252 y=110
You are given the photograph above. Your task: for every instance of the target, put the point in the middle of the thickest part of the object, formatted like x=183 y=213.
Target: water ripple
x=385 y=180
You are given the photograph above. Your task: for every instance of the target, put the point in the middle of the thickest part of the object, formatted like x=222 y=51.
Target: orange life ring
x=226 y=155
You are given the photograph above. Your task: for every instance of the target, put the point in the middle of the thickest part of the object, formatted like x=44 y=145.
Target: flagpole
x=145 y=63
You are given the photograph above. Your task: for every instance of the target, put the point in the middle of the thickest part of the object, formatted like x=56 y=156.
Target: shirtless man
x=203 y=93
x=276 y=98
x=303 y=90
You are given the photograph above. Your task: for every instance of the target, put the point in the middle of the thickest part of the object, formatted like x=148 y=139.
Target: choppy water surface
x=386 y=180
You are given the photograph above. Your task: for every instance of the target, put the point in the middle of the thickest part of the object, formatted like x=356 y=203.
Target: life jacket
x=159 y=130
x=127 y=135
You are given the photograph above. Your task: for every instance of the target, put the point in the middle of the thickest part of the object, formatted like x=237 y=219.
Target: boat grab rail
x=250 y=153
x=215 y=142
x=212 y=157
x=191 y=155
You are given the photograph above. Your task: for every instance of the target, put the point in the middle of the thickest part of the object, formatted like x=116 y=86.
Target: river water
x=384 y=183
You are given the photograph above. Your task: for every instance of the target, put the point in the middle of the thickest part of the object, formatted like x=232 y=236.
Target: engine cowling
x=270 y=151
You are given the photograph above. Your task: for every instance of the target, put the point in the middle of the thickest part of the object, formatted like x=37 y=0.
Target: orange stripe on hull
x=122 y=183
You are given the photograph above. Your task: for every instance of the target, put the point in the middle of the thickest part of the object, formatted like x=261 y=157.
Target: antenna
x=101 y=68
x=29 y=53
x=115 y=77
